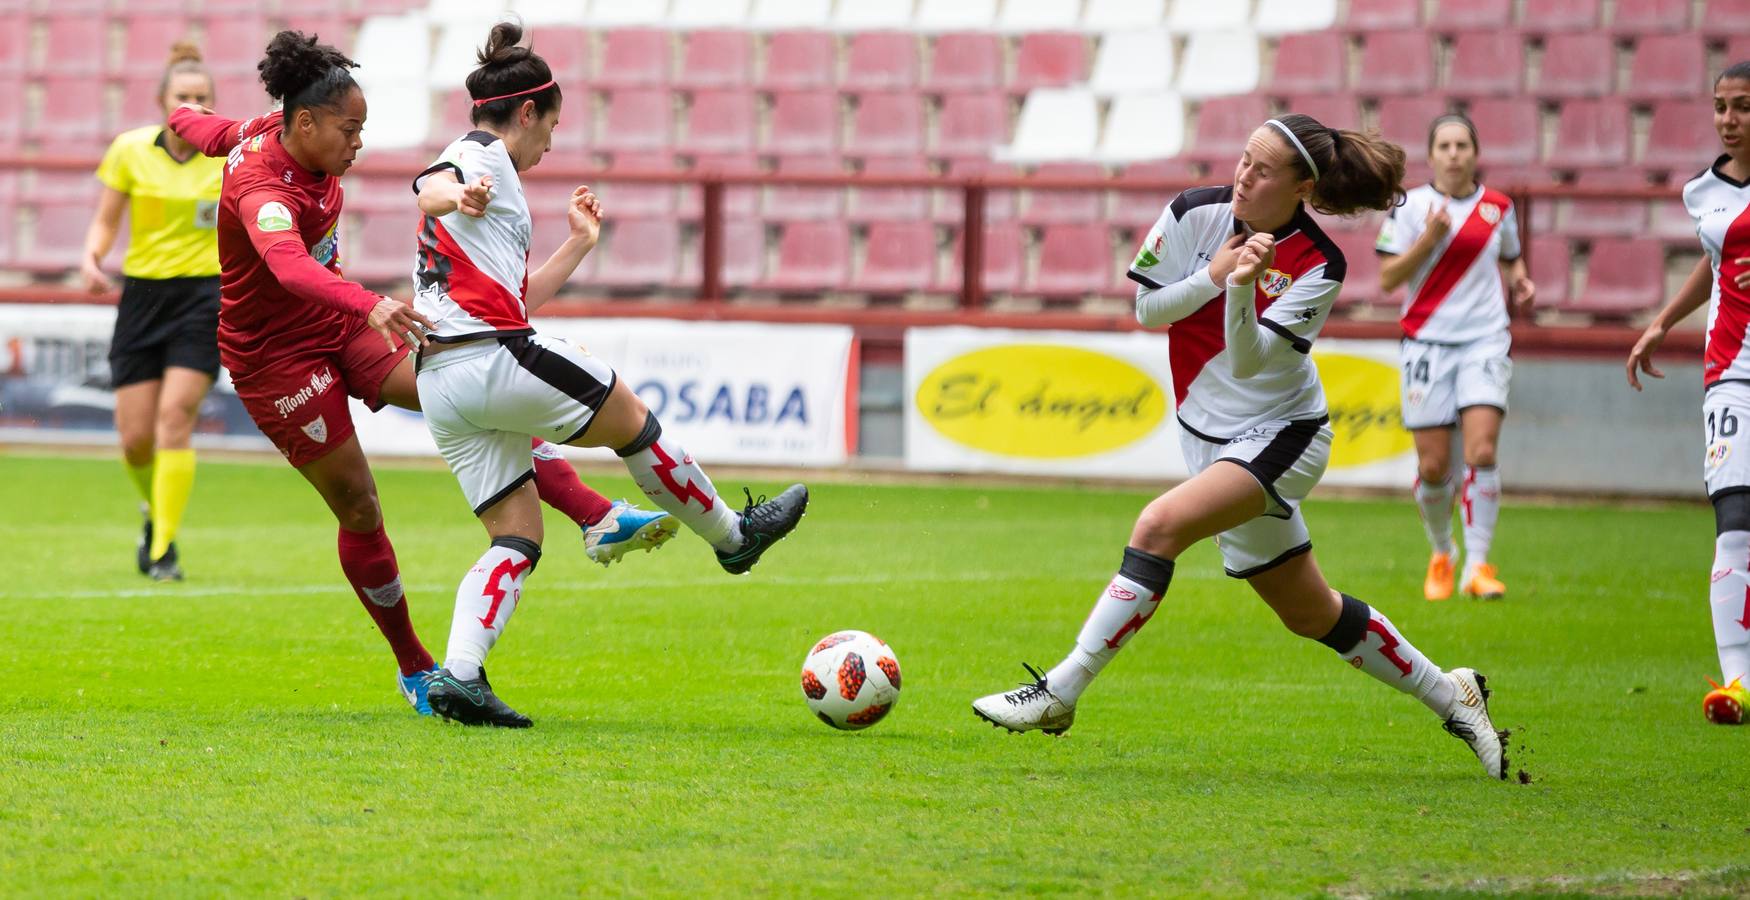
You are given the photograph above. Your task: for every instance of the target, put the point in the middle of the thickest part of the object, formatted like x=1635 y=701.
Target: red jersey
x=267 y=199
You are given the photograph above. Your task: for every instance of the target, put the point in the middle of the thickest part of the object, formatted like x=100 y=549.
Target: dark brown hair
x=1356 y=171
x=1455 y=119
x=507 y=68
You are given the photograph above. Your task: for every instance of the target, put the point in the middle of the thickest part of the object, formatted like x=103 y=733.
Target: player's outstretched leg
x=368 y=560
x=485 y=600
x=610 y=530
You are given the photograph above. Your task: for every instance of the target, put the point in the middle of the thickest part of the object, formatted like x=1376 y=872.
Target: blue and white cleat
x=626 y=528
x=413 y=689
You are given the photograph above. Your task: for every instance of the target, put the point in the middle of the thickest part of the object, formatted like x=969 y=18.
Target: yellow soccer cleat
x=1725 y=705
x=1483 y=584
x=1438 y=584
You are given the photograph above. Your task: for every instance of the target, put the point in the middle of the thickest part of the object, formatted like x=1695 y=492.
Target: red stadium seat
x=378 y=192
x=1592 y=134
x=1074 y=260
x=1380 y=15
x=638 y=120
x=1635 y=17
x=566 y=51
x=744 y=253
x=1005 y=257
x=965 y=61
x=1509 y=130
x=1553 y=16
x=1049 y=59
x=1623 y=276
x=75 y=45
x=800 y=60
x=1552 y=269
x=233 y=44
x=1725 y=19
x=51 y=186
x=893 y=204
x=788 y=203
x=73 y=115
x=1668 y=67
x=898 y=258
x=140 y=103
x=634 y=58
x=1336 y=110
x=1139 y=209
x=1047 y=207
x=146 y=44
x=452 y=120
x=882 y=61
x=1463 y=15
x=1224 y=124
x=739 y=201
x=1361 y=281
x=1596 y=218
x=722 y=121
x=15 y=51
x=999 y=205
x=1405 y=121
x=57 y=237
x=1310 y=63
x=971 y=125
x=11 y=114
x=638 y=199
x=1577 y=65
x=714 y=60
x=638 y=253
x=803 y=123
x=812 y=256
x=1737 y=49
x=1487 y=64
x=1671 y=223
x=1681 y=138
x=243 y=95
x=379 y=247
x=887 y=125
x=1396 y=62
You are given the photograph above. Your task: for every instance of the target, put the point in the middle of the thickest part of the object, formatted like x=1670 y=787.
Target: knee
x=1433 y=471
x=175 y=425
x=137 y=445
x=1481 y=456
x=356 y=508
x=1307 y=623
x=1159 y=531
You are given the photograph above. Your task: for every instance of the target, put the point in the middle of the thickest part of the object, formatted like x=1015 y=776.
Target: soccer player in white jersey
x=1719 y=201
x=488 y=381
x=1246 y=278
x=1452 y=241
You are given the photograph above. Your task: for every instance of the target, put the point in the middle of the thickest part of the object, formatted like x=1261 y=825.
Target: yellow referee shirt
x=173 y=207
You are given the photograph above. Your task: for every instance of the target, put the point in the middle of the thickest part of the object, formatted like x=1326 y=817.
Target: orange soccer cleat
x=1438 y=584
x=1725 y=705
x=1483 y=584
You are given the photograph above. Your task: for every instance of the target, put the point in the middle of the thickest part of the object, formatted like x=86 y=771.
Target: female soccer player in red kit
x=299 y=339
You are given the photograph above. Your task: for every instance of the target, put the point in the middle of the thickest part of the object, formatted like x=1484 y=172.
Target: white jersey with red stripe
x=473 y=273
x=1720 y=206
x=1294 y=297
x=1455 y=296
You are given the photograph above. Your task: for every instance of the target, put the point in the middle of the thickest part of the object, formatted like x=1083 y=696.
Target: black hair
x=1738 y=71
x=1356 y=171
x=1454 y=119
x=303 y=74
x=506 y=70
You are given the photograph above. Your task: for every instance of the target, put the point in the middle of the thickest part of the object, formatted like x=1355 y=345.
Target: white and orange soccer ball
x=850 y=680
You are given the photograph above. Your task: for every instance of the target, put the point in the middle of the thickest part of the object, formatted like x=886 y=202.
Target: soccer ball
x=851 y=679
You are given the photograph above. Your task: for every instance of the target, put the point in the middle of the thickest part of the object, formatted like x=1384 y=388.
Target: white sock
x=485 y=600
x=1128 y=602
x=668 y=476
x=1482 y=507
x=1374 y=646
x=1434 y=502
x=1729 y=597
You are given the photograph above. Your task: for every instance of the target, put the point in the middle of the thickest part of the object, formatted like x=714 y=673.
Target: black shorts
x=165 y=322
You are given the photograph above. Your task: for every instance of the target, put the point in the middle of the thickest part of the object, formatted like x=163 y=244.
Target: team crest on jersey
x=1717 y=454
x=273 y=216
x=254 y=144
x=1490 y=212
x=1275 y=282
x=316 y=430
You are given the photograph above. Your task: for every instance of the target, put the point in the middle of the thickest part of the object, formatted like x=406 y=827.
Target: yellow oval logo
x=1041 y=401
x=1365 y=419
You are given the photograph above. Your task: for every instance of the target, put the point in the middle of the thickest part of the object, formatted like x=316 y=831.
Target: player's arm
x=1167 y=249
x=441 y=192
x=1397 y=266
x=106 y=222
x=1255 y=339
x=213 y=134
x=584 y=214
x=1689 y=298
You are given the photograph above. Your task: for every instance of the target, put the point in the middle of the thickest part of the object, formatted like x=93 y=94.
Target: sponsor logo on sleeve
x=273 y=216
x=1149 y=256
x=1387 y=234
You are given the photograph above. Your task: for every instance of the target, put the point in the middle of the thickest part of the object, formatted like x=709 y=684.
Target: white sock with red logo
x=1434 y=502
x=1128 y=602
x=668 y=476
x=1729 y=596
x=1365 y=637
x=485 y=600
x=1482 y=507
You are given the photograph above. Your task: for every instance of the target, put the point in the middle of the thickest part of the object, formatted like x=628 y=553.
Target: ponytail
x=1352 y=171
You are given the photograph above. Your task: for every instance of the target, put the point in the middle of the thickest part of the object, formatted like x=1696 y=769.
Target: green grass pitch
x=239 y=733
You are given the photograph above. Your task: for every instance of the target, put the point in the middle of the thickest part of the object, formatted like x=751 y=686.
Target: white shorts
x=1441 y=380
x=1725 y=418
x=484 y=400
x=1288 y=459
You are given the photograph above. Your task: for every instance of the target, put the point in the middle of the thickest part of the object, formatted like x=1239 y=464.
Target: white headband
x=1298 y=146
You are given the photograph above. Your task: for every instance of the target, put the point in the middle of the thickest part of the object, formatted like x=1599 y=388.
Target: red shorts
x=299 y=398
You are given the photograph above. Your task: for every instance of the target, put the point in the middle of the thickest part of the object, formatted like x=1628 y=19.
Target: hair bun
x=503 y=46
x=184 y=51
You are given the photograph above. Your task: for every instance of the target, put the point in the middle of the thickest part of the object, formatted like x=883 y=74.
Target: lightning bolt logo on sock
x=665 y=473
x=494 y=587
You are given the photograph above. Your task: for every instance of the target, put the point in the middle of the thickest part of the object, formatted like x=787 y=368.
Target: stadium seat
x=634 y=58
x=1005 y=260
x=1589 y=218
x=1310 y=64
x=689 y=14
x=999 y=204
x=50 y=186
x=15 y=52
x=73 y=115
x=76 y=45
x=966 y=61
x=1464 y=15
x=1577 y=65
x=971 y=125
x=454 y=57
x=1133 y=61
x=1053 y=207
x=800 y=60
x=539 y=14
x=744 y=255
x=1334 y=110
x=898 y=258
x=739 y=201
x=1486 y=64
x=12 y=114
x=887 y=125
x=145 y=44
x=140 y=104
x=405 y=39
x=1668 y=67
x=57 y=238
x=1553 y=16
x=1591 y=134
x=893 y=204
x=775 y=15
x=1638 y=17
x=1139 y=209
x=1551 y=265
x=715 y=60
x=607 y=14
x=245 y=94
x=566 y=51
x=638 y=253
x=1396 y=62
x=812 y=256
x=1048 y=59
x=1737 y=49
x=881 y=61
x=721 y=121
x=804 y=123
x=637 y=120
x=1405 y=120
x=1219 y=63
x=443 y=12
x=378 y=192
x=1671 y=222
x=1074 y=260
x=1361 y=281
x=1509 y=130
x=1055 y=123
x=1223 y=125
x=1624 y=276
x=874 y=15
x=1143 y=127
x=1681 y=139
x=1191 y=16
x=379 y=247
x=789 y=203
x=1383 y=15
x=1724 y=20
x=1039 y=15
x=955 y=15
x=638 y=199
x=1122 y=15
x=1276 y=17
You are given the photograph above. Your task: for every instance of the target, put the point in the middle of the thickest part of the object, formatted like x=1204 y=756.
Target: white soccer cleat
x=1468 y=720
x=1032 y=707
x=626 y=528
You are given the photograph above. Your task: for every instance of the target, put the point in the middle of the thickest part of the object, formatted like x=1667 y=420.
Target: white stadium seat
x=874 y=15
x=458 y=43
x=1133 y=61
x=1143 y=127
x=1039 y=15
x=781 y=15
x=1056 y=123
x=1218 y=63
x=1288 y=16
x=400 y=115
x=620 y=13
x=444 y=11
x=708 y=13
x=404 y=40
x=1190 y=16
x=551 y=12
x=1117 y=15
x=954 y=15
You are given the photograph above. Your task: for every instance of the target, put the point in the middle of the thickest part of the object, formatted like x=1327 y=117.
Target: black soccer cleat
x=141 y=550
x=166 y=568
x=764 y=523
x=470 y=702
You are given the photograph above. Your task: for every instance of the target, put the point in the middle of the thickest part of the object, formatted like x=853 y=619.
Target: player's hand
x=1223 y=264
x=1641 y=357
x=474 y=197
x=1438 y=223
x=1255 y=256
x=1524 y=297
x=1743 y=278
x=584 y=213
x=96 y=281
x=393 y=319
x=197 y=108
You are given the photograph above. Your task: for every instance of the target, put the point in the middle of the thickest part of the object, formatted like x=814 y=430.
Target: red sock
x=557 y=483
x=368 y=560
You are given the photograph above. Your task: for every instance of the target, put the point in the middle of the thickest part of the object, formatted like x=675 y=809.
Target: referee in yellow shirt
x=164 y=354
